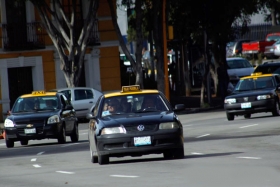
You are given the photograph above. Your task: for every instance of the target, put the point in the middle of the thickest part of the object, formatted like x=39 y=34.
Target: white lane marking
x=254 y=158
x=248 y=126
x=33 y=159
x=203 y=135
x=65 y=172
x=36 y=166
x=83 y=133
x=70 y=144
x=2 y=144
x=187 y=125
x=124 y=176
x=41 y=153
x=194 y=153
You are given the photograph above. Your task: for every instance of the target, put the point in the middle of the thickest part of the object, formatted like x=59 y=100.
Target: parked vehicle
x=269 y=50
x=235 y=48
x=277 y=50
x=82 y=98
x=258 y=47
x=238 y=67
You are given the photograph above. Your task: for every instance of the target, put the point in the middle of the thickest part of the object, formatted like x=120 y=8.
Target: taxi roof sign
x=38 y=92
x=132 y=88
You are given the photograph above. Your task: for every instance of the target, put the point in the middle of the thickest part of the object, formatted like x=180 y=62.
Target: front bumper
x=266 y=105
x=123 y=144
x=18 y=133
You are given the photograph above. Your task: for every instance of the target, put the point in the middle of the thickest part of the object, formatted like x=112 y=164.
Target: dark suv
x=268 y=67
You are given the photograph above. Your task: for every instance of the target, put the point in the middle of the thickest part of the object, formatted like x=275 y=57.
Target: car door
x=68 y=114
x=82 y=101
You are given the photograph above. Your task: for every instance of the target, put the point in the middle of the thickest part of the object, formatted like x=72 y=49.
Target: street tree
x=69 y=33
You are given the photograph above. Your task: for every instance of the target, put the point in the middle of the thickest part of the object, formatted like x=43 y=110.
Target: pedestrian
x=223 y=80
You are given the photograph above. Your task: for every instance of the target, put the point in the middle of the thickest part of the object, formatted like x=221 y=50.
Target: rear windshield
x=238 y=63
x=268 y=69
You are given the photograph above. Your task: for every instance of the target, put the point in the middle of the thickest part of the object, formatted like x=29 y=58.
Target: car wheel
x=24 y=142
x=167 y=154
x=276 y=110
x=93 y=157
x=9 y=143
x=247 y=116
x=75 y=134
x=62 y=136
x=103 y=159
x=179 y=153
x=230 y=117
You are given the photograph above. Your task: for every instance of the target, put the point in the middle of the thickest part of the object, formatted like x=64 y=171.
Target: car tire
x=93 y=157
x=75 y=134
x=9 y=143
x=167 y=155
x=179 y=153
x=276 y=110
x=230 y=117
x=247 y=116
x=103 y=159
x=62 y=136
x=24 y=142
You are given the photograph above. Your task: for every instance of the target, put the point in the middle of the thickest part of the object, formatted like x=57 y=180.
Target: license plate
x=246 y=105
x=30 y=131
x=145 y=140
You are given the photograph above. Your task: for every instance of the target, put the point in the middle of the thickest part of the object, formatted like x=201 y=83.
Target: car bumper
x=18 y=133
x=256 y=107
x=123 y=145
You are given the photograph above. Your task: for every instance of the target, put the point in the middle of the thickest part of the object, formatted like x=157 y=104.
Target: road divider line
x=203 y=135
x=248 y=126
x=70 y=144
x=124 y=176
x=246 y=157
x=66 y=172
x=41 y=153
x=36 y=166
x=194 y=153
x=33 y=159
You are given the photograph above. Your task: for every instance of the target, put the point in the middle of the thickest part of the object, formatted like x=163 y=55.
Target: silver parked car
x=237 y=68
x=82 y=98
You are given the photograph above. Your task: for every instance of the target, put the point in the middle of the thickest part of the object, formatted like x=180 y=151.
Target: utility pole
x=166 y=78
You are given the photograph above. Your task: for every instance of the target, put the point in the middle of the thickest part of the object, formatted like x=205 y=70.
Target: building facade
x=29 y=61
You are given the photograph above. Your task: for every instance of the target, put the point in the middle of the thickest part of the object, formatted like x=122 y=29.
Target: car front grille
x=133 y=128
x=38 y=124
x=245 y=99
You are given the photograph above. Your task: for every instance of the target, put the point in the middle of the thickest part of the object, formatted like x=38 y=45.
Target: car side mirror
x=90 y=116
x=69 y=107
x=179 y=107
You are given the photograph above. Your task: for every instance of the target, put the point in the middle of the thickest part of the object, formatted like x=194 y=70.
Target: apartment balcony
x=28 y=36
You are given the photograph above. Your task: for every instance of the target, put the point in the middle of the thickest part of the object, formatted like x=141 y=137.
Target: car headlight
x=54 y=119
x=169 y=125
x=113 y=130
x=230 y=101
x=8 y=123
x=261 y=97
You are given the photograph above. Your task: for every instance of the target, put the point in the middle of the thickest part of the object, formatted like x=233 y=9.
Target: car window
x=237 y=64
x=268 y=69
x=252 y=84
x=133 y=103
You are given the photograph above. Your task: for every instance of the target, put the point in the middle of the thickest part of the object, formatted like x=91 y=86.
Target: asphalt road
x=218 y=153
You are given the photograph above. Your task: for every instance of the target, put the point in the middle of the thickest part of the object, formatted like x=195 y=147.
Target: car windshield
x=268 y=69
x=239 y=63
x=273 y=38
x=32 y=104
x=136 y=103
x=254 y=84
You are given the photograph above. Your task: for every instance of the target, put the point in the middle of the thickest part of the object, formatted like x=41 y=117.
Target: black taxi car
x=134 y=122
x=41 y=115
x=254 y=94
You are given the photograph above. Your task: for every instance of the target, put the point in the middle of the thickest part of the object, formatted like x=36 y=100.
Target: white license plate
x=30 y=131
x=145 y=140
x=246 y=105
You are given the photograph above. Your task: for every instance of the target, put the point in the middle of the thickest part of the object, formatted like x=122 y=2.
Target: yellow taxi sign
x=256 y=74
x=132 y=88
x=38 y=92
